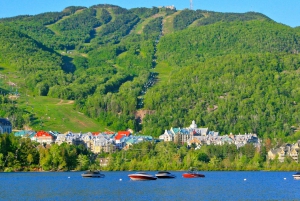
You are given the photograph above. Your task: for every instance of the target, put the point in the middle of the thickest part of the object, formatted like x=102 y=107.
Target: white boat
x=297 y=176
x=165 y=175
x=141 y=176
x=93 y=174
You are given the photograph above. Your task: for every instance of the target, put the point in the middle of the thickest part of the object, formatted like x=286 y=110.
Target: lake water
x=117 y=186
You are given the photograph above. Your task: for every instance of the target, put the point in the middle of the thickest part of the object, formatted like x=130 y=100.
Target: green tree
x=83 y=162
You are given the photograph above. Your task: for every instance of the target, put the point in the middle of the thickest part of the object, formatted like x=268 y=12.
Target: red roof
x=95 y=133
x=124 y=133
x=119 y=137
x=43 y=134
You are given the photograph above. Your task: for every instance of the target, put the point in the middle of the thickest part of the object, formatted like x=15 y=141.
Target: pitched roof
x=124 y=133
x=4 y=122
x=24 y=133
x=95 y=133
x=175 y=130
x=43 y=134
x=118 y=137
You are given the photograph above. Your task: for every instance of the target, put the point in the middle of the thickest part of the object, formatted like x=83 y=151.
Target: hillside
x=49 y=113
x=230 y=72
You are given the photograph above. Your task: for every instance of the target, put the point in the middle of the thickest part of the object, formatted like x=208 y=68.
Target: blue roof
x=24 y=132
x=176 y=130
x=4 y=122
x=184 y=131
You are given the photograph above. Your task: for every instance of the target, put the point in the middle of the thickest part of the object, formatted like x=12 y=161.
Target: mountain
x=155 y=68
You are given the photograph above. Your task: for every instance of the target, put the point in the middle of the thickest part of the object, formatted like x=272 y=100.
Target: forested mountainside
x=231 y=72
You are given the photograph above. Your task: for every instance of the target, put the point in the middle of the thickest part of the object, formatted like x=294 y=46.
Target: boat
x=192 y=174
x=141 y=176
x=164 y=175
x=297 y=176
x=93 y=174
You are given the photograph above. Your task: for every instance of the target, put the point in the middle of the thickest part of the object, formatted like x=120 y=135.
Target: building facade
x=5 y=126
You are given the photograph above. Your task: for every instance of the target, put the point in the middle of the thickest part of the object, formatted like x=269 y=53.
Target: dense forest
x=230 y=72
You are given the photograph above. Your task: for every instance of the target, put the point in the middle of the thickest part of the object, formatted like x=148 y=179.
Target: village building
x=120 y=135
x=5 y=126
x=69 y=138
x=103 y=162
x=87 y=139
x=26 y=134
x=131 y=140
x=44 y=137
x=285 y=150
x=103 y=143
x=167 y=136
x=203 y=136
x=183 y=135
x=171 y=7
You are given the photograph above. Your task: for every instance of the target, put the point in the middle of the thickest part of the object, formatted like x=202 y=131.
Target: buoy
x=120 y=179
x=284 y=178
x=68 y=177
x=245 y=179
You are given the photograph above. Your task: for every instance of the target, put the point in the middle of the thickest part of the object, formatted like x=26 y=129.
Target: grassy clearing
x=56 y=114
x=5 y=67
x=53 y=29
x=98 y=13
x=168 y=23
x=140 y=26
x=98 y=16
x=122 y=55
x=52 y=26
x=11 y=79
x=195 y=23
x=111 y=12
x=164 y=71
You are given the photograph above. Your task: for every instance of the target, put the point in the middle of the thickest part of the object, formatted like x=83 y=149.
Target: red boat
x=141 y=176
x=192 y=174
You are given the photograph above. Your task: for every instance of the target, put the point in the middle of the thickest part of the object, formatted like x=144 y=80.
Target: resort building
x=203 y=136
x=286 y=150
x=5 y=126
x=44 y=137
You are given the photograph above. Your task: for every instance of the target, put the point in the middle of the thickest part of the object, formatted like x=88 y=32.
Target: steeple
x=193 y=125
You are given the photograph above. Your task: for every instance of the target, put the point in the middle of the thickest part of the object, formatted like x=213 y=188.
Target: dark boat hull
x=297 y=176
x=165 y=177
x=93 y=176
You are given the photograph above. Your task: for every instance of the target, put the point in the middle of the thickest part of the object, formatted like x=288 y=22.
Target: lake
x=117 y=186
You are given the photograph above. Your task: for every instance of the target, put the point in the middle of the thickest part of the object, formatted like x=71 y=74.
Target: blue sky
x=282 y=11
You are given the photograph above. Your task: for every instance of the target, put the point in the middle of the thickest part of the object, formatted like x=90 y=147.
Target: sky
x=282 y=11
